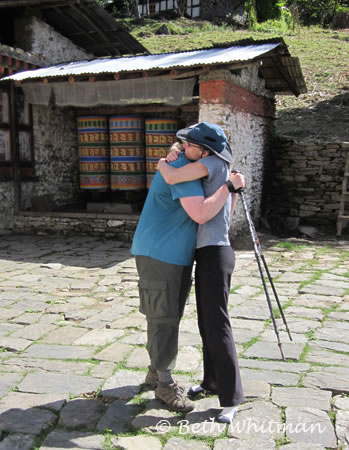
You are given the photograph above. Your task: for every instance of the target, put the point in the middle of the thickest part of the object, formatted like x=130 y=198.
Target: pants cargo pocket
x=153 y=299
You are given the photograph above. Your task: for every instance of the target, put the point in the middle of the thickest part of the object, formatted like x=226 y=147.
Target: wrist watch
x=230 y=186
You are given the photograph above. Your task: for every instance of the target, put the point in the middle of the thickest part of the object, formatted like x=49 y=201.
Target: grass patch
x=249 y=344
x=323 y=55
x=235 y=288
x=287 y=245
x=316 y=276
x=304 y=353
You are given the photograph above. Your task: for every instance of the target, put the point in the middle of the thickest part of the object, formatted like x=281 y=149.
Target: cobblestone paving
x=73 y=356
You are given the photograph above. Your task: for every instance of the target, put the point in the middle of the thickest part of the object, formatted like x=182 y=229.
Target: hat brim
x=225 y=154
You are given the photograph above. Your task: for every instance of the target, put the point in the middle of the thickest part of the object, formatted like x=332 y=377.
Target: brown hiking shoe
x=173 y=395
x=152 y=377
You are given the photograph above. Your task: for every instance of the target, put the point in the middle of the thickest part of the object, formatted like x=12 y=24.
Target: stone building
x=232 y=85
x=38 y=34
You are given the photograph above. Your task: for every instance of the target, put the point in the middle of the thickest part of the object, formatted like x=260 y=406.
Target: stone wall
x=82 y=224
x=38 y=37
x=56 y=156
x=305 y=183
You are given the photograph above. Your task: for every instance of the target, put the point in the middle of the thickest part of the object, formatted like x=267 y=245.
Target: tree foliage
x=308 y=12
x=319 y=12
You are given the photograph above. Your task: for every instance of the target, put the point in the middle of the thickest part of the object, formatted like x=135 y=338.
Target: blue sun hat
x=209 y=136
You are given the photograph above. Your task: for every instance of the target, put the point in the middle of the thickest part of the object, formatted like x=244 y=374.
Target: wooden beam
x=15 y=149
x=35 y=3
x=285 y=75
x=92 y=23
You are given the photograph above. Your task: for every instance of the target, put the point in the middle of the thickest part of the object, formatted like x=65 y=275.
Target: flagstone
x=156 y=419
x=341 y=402
x=123 y=385
x=8 y=381
x=254 y=443
x=61 y=439
x=65 y=335
x=309 y=313
x=51 y=383
x=27 y=318
x=337 y=346
x=255 y=388
x=257 y=419
x=135 y=338
x=322 y=289
x=29 y=421
x=118 y=416
x=327 y=334
x=138 y=359
x=255 y=325
x=14 y=344
x=34 y=332
x=17 y=442
x=319 y=355
x=98 y=338
x=299 y=397
x=59 y=351
x=114 y=352
x=270 y=350
x=188 y=359
x=302 y=446
x=296 y=324
x=310 y=425
x=339 y=315
x=275 y=365
x=139 y=442
x=342 y=427
x=316 y=301
x=338 y=383
x=250 y=312
x=81 y=412
x=271 y=376
x=25 y=400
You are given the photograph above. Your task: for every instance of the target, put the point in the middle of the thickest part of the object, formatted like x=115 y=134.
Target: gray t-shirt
x=215 y=231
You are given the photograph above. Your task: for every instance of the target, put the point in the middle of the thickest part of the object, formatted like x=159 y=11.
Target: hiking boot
x=173 y=395
x=152 y=377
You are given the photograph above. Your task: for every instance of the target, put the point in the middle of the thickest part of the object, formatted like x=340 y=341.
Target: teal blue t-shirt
x=165 y=231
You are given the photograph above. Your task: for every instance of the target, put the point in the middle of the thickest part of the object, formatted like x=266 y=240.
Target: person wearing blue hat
x=215 y=262
x=163 y=246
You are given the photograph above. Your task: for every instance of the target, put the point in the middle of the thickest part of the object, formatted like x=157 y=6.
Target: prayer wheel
x=94 y=152
x=160 y=134
x=127 y=153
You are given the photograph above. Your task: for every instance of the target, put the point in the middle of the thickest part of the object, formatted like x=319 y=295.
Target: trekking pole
x=259 y=256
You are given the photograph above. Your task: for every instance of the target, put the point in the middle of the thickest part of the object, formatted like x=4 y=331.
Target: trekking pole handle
x=230 y=185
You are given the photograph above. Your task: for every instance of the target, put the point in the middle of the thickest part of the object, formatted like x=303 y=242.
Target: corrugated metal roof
x=241 y=53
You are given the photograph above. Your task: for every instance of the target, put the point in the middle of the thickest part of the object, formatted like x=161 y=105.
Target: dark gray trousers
x=214 y=266
x=163 y=290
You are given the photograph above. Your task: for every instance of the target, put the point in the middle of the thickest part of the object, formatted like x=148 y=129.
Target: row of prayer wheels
x=121 y=152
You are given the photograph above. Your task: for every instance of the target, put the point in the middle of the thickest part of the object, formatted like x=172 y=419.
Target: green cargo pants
x=163 y=291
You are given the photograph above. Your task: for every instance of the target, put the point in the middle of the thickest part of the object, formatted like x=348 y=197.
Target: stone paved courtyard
x=73 y=355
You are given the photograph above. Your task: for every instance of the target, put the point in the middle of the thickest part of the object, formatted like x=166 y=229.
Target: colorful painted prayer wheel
x=127 y=153
x=160 y=134
x=94 y=152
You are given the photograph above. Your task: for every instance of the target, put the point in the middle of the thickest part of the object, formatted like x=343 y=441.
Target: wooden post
x=15 y=148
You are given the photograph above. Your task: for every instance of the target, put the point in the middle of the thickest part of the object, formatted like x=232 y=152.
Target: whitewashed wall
x=248 y=135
